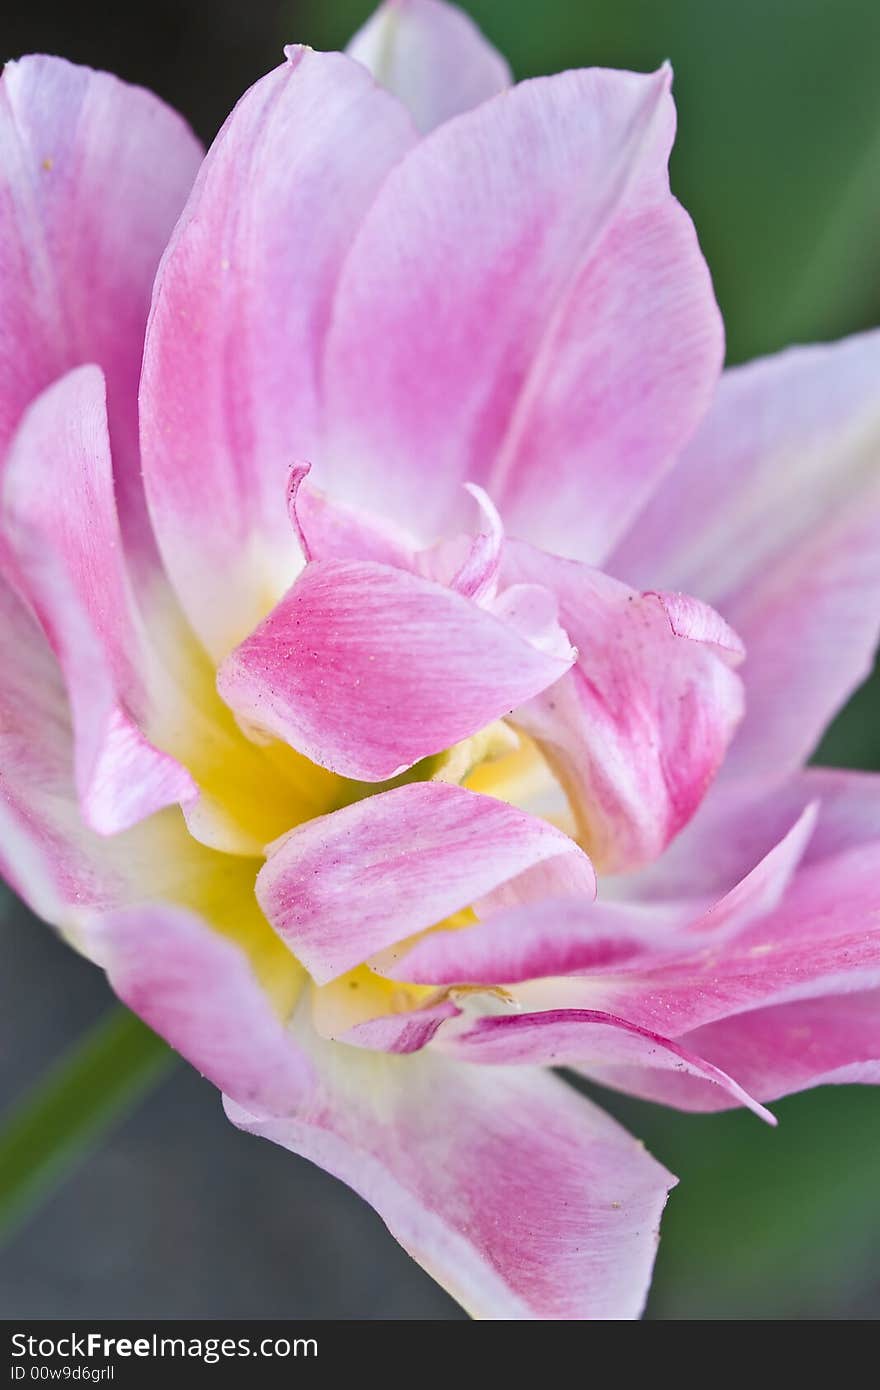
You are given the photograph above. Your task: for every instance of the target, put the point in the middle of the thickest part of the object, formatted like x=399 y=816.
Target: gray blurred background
x=179 y=1215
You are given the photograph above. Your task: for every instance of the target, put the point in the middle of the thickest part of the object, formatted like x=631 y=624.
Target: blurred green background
x=778 y=160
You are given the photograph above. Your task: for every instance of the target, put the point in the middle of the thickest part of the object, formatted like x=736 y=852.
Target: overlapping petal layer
x=94 y=175
x=367 y=669
x=430 y=55
x=230 y=390
x=524 y=307
x=773 y=516
x=518 y=1196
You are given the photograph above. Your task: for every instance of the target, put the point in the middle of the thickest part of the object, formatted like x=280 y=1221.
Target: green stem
x=55 y=1126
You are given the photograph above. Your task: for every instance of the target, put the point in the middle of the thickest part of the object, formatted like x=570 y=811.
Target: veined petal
x=432 y=56
x=518 y=1196
x=774 y=1052
x=773 y=516
x=199 y=992
x=823 y=938
x=637 y=730
x=583 y=1038
x=344 y=886
x=552 y=937
x=738 y=824
x=94 y=175
x=62 y=550
x=366 y=669
x=229 y=396
x=525 y=307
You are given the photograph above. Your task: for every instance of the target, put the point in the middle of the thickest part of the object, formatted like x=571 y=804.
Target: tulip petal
x=344 y=886
x=738 y=824
x=367 y=669
x=637 y=730
x=773 y=516
x=525 y=307
x=519 y=1197
x=94 y=175
x=199 y=992
x=585 y=1038
x=62 y=544
x=229 y=393
x=775 y=1052
x=554 y=937
x=823 y=938
x=431 y=56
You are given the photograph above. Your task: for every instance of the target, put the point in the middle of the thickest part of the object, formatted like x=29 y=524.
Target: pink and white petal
x=583 y=1038
x=737 y=825
x=488 y=303
x=773 y=516
x=328 y=531
x=775 y=1052
x=432 y=56
x=822 y=939
x=637 y=730
x=764 y=887
x=400 y=1033
x=62 y=869
x=344 y=886
x=366 y=669
x=519 y=1197
x=62 y=549
x=554 y=937
x=229 y=396
x=95 y=174
x=198 y=991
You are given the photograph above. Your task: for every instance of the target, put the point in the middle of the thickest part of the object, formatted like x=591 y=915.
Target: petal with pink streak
x=637 y=730
x=229 y=396
x=553 y=937
x=344 y=886
x=774 y=1052
x=401 y=1033
x=822 y=939
x=525 y=307
x=94 y=176
x=62 y=548
x=773 y=516
x=582 y=1037
x=737 y=825
x=519 y=1197
x=566 y=936
x=367 y=669
x=431 y=56
x=198 y=991
x=62 y=869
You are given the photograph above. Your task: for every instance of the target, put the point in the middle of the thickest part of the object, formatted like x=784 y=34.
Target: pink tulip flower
x=384 y=558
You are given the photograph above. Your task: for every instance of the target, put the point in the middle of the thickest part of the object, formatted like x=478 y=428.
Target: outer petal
x=431 y=56
x=366 y=669
x=63 y=870
x=773 y=516
x=518 y=1196
x=229 y=391
x=200 y=993
x=63 y=549
x=822 y=939
x=94 y=175
x=737 y=825
x=774 y=1052
x=585 y=1038
x=344 y=886
x=637 y=730
x=525 y=307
